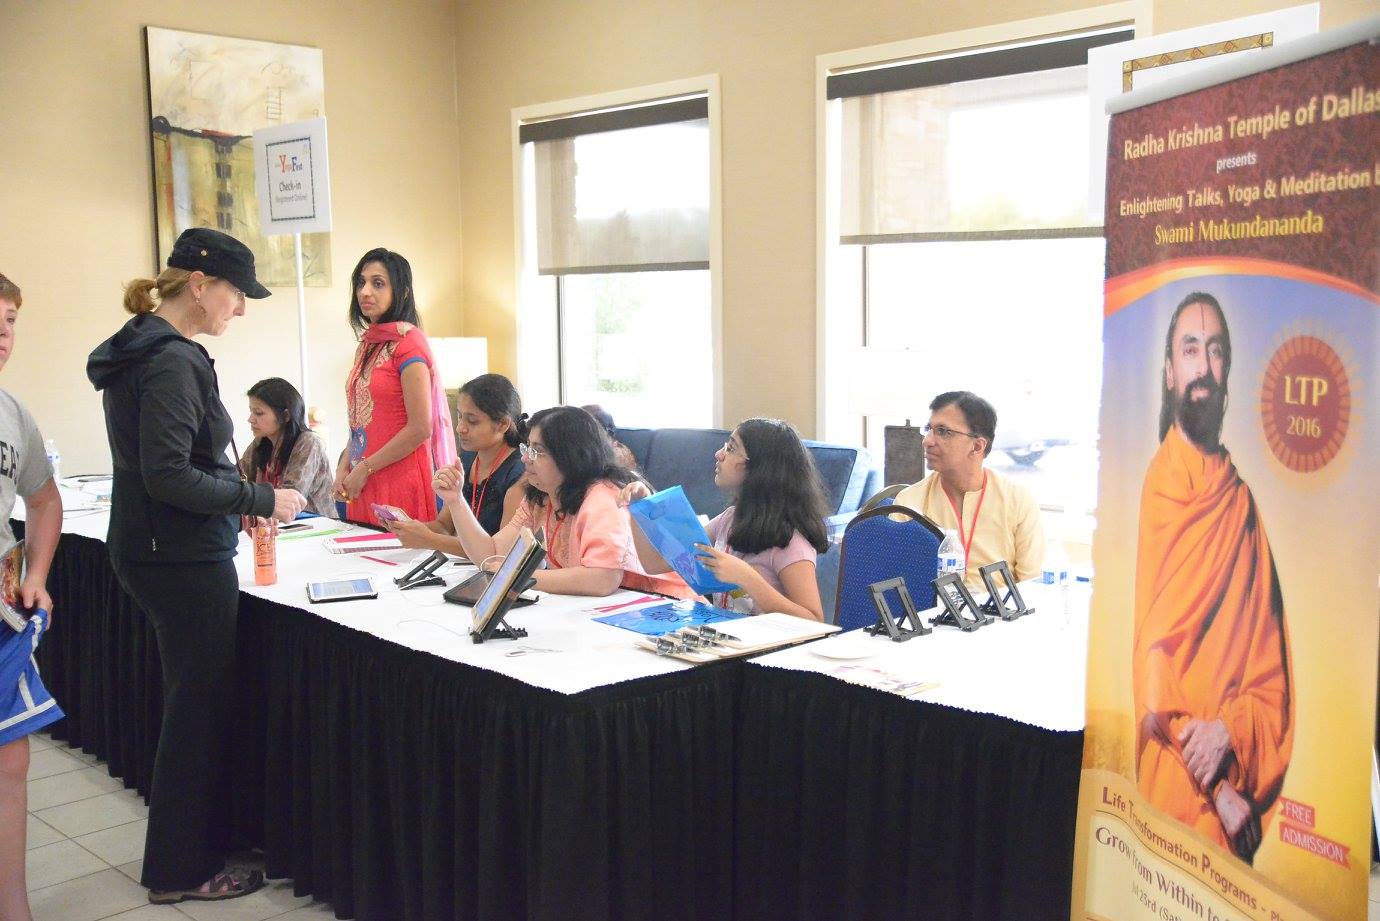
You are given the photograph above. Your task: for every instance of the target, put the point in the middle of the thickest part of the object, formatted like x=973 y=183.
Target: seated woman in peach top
x=572 y=494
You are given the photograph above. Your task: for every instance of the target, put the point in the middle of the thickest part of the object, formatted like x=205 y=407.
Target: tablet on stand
x=512 y=578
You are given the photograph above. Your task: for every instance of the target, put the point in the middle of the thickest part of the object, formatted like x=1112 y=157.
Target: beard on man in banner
x=1211 y=673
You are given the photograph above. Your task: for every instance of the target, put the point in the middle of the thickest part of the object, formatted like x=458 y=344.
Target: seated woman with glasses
x=492 y=426
x=995 y=518
x=767 y=541
x=572 y=489
x=285 y=453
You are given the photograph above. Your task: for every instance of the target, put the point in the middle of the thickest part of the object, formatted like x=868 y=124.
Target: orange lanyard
x=477 y=494
x=968 y=541
x=551 y=536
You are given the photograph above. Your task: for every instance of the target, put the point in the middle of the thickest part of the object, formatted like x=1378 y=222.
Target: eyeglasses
x=733 y=450
x=944 y=433
x=530 y=453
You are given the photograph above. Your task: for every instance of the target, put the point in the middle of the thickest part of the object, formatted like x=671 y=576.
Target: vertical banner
x=1232 y=653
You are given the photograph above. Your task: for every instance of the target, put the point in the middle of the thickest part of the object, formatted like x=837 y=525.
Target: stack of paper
x=362 y=543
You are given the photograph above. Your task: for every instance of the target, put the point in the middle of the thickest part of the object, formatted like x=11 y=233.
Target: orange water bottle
x=265 y=551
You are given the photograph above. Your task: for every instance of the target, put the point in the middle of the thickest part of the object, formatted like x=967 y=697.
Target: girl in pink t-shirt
x=572 y=493
x=767 y=541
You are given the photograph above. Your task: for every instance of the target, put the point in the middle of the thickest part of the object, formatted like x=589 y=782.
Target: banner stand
x=301 y=320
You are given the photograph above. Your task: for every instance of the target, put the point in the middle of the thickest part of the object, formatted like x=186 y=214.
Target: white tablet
x=341 y=590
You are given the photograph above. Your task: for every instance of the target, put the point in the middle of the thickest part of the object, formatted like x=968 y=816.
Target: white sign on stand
x=293 y=179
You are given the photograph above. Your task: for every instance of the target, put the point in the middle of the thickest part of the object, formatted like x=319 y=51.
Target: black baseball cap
x=219 y=255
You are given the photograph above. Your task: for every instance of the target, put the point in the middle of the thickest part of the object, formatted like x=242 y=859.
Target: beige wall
x=519 y=54
x=76 y=189
x=75 y=177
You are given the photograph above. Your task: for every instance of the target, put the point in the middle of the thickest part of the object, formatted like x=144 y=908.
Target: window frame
x=538 y=338
x=840 y=285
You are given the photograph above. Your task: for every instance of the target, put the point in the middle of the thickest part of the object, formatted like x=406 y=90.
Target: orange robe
x=1210 y=637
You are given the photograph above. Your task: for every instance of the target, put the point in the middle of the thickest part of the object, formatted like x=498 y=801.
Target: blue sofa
x=685 y=457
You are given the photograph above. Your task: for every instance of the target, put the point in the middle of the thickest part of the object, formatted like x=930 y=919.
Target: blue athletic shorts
x=25 y=704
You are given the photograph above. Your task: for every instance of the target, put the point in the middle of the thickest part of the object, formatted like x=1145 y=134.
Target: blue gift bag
x=669 y=522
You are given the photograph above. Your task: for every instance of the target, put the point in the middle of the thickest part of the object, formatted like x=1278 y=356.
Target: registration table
x=392 y=767
x=956 y=803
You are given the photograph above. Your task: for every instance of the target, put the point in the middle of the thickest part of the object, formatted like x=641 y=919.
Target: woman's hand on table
x=413 y=534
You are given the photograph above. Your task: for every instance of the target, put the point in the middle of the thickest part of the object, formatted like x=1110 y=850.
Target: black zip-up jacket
x=176 y=492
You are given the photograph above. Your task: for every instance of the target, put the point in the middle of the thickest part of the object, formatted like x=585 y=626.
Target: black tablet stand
x=424 y=573
x=960 y=610
x=1007 y=606
x=498 y=628
x=900 y=628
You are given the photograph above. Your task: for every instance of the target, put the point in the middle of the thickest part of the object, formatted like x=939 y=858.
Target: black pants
x=193 y=608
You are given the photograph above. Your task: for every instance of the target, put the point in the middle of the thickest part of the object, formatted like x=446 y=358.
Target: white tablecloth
x=1033 y=669
x=566 y=650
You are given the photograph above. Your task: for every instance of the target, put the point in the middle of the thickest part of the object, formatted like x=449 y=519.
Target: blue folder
x=667 y=618
x=671 y=525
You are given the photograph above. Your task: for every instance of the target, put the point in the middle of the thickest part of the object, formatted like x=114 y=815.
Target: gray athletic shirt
x=24 y=466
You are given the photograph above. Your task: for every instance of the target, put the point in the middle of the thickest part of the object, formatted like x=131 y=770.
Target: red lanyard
x=475 y=491
x=551 y=536
x=968 y=541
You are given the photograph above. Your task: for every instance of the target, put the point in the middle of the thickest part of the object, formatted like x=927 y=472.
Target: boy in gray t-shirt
x=25 y=704
x=24 y=466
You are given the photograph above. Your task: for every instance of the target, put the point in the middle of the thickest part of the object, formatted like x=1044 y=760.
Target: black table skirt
x=397 y=785
x=855 y=803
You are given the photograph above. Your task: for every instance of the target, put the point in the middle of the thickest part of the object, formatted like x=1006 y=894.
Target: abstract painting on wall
x=207 y=95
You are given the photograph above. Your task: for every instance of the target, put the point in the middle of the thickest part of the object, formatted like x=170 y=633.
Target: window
x=620 y=221
x=962 y=204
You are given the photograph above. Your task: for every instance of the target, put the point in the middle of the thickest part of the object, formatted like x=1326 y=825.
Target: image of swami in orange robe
x=1213 y=683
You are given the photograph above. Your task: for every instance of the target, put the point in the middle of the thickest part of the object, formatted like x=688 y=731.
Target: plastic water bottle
x=951 y=558
x=54 y=457
x=1056 y=568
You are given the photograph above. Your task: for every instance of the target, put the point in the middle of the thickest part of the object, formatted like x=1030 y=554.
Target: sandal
x=224 y=885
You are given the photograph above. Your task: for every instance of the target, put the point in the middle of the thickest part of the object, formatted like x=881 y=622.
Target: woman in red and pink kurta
x=399 y=431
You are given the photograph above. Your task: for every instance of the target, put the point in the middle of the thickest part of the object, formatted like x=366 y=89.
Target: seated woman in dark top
x=491 y=424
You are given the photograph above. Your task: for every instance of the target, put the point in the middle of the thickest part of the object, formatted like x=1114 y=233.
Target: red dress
x=374 y=394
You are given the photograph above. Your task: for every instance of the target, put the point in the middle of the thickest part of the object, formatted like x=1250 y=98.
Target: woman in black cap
x=173 y=537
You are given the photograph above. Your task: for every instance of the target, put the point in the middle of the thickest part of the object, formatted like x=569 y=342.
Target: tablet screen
x=502 y=581
x=338 y=589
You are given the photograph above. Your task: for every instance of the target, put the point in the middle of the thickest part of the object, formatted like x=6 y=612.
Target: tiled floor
x=86 y=844
x=86 y=840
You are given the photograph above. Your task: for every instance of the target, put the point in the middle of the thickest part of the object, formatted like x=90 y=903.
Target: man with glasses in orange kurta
x=1212 y=677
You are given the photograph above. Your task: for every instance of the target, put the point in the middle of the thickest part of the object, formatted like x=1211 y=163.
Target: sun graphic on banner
x=1306 y=402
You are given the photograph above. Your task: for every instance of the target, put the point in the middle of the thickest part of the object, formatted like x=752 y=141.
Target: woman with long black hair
x=399 y=426
x=767 y=541
x=285 y=453
x=572 y=494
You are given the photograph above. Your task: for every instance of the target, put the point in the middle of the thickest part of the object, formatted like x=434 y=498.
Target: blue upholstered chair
x=885 y=542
